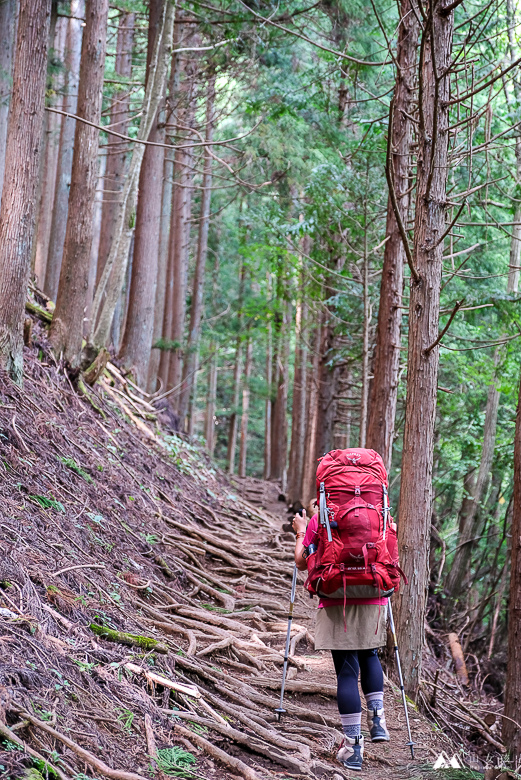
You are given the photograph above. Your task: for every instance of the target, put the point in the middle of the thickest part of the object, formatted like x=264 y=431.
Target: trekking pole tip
x=411 y=746
x=280 y=712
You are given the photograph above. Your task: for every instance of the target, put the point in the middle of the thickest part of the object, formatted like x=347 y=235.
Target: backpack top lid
x=347 y=468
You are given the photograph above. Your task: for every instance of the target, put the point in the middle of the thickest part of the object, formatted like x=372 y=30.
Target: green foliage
x=126 y=718
x=85 y=666
x=73 y=466
x=48 y=503
x=447 y=774
x=42 y=768
x=33 y=774
x=9 y=746
x=82 y=776
x=176 y=762
x=167 y=345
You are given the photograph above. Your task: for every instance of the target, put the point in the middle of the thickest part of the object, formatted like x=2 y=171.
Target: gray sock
x=375 y=701
x=351 y=724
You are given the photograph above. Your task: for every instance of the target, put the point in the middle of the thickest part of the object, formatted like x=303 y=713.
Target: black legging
x=347 y=665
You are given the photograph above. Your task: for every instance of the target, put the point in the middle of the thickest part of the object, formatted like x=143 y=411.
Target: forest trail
x=317 y=677
x=130 y=567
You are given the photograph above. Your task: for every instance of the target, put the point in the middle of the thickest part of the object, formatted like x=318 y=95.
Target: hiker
x=352 y=621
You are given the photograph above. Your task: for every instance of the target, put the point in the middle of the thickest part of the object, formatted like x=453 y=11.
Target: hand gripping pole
x=280 y=709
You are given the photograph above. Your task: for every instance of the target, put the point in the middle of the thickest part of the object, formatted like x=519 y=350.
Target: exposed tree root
x=234 y=763
x=85 y=755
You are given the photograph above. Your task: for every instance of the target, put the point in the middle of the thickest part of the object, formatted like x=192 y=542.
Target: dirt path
x=386 y=759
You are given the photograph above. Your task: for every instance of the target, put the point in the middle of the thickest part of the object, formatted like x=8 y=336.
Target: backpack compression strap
x=323 y=512
x=385 y=508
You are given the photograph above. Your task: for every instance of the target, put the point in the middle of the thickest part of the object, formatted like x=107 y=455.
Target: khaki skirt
x=366 y=627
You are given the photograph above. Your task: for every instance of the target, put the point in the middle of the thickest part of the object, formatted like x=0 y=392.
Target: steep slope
x=143 y=606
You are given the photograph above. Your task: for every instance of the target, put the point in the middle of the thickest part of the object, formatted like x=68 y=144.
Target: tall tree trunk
x=170 y=368
x=298 y=412
x=279 y=422
x=160 y=358
x=22 y=161
x=196 y=308
x=119 y=318
x=51 y=145
x=63 y=171
x=328 y=380
x=7 y=39
x=384 y=387
x=50 y=96
x=415 y=507
x=232 y=432
x=364 y=391
x=497 y=609
x=342 y=429
x=511 y=731
x=243 y=449
x=191 y=413
x=137 y=339
x=162 y=268
x=515 y=245
x=310 y=454
x=117 y=261
x=179 y=251
x=66 y=331
x=237 y=372
x=469 y=526
x=117 y=148
x=96 y=236
x=269 y=389
x=209 y=423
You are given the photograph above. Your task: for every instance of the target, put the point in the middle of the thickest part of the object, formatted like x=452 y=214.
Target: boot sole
x=381 y=739
x=350 y=766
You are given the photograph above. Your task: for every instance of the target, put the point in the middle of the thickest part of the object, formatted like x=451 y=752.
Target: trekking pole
x=410 y=743
x=280 y=709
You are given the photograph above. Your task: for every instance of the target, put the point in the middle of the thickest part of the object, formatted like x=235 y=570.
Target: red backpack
x=357 y=542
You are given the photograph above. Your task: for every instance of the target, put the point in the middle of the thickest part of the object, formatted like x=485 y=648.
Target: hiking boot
x=351 y=753
x=376 y=725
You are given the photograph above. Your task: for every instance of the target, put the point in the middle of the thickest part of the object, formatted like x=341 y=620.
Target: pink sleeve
x=311 y=530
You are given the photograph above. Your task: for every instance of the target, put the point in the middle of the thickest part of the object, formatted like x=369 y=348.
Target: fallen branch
x=151 y=740
x=133 y=640
x=171 y=628
x=241 y=738
x=159 y=680
x=297 y=686
x=82 y=389
x=38 y=311
x=85 y=755
x=78 y=566
x=458 y=658
x=6 y=732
